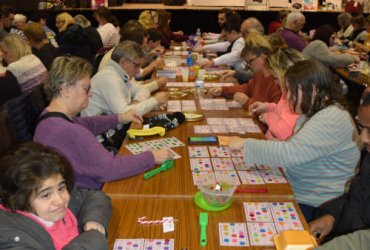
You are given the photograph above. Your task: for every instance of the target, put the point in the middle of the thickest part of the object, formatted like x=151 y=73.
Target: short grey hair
x=294 y=16
x=65 y=70
x=82 y=21
x=19 y=18
x=253 y=23
x=128 y=49
x=344 y=19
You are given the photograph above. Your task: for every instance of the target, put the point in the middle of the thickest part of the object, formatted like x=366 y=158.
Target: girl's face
x=98 y=18
x=297 y=109
x=51 y=200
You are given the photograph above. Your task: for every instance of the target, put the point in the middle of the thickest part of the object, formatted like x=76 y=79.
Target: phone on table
x=202 y=140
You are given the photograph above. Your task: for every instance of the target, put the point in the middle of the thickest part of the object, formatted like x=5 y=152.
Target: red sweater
x=259 y=88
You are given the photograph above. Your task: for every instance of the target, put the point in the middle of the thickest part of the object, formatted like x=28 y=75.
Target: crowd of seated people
x=284 y=79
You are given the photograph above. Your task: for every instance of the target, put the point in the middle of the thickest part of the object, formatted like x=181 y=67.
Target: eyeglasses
x=361 y=128
x=249 y=62
x=137 y=65
x=86 y=88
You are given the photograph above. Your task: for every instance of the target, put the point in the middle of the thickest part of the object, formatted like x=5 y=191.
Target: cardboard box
x=279 y=3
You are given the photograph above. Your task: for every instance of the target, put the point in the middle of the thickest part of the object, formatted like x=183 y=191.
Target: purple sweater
x=292 y=39
x=92 y=163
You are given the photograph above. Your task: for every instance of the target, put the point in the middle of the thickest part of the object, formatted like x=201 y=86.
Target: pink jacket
x=280 y=120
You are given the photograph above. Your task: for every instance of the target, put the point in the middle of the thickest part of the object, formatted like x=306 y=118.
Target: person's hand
x=161 y=81
x=322 y=226
x=179 y=33
x=159 y=50
x=93 y=225
x=262 y=118
x=215 y=91
x=159 y=62
x=207 y=64
x=162 y=155
x=228 y=73
x=241 y=98
x=258 y=107
x=161 y=97
x=237 y=143
x=130 y=116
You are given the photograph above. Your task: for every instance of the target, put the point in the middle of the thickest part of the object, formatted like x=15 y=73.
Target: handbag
x=112 y=139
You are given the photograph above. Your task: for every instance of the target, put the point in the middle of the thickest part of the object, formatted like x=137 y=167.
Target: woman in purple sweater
x=68 y=87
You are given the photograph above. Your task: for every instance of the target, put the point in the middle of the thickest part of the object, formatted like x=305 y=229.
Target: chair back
x=23 y=112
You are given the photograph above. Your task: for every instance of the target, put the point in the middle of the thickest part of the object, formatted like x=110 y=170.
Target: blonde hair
x=281 y=60
x=257 y=44
x=65 y=70
x=17 y=46
x=148 y=18
x=66 y=18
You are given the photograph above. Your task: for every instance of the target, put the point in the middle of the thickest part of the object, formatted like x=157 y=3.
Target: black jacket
x=74 y=41
x=351 y=210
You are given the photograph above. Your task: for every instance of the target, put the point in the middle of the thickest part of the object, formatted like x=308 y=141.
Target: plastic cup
x=185 y=74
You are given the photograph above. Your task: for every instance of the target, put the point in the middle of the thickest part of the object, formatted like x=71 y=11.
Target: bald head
x=252 y=23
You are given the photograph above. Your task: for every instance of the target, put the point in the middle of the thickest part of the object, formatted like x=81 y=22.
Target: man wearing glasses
x=112 y=89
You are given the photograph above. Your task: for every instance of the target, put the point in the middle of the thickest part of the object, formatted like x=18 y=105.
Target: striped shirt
x=29 y=71
x=319 y=158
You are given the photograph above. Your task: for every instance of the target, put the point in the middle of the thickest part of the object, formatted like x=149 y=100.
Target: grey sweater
x=320 y=51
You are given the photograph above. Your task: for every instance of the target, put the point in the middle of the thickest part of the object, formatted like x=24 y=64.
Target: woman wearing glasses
x=262 y=87
x=68 y=87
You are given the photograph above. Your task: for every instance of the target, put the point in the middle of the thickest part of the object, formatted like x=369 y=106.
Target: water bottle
x=189 y=60
x=199 y=88
x=198 y=33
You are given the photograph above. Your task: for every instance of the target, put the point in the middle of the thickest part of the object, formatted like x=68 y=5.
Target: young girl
x=321 y=155
x=279 y=117
x=40 y=209
x=262 y=86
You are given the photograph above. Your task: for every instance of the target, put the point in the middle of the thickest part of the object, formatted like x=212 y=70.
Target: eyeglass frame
x=86 y=88
x=136 y=65
x=249 y=62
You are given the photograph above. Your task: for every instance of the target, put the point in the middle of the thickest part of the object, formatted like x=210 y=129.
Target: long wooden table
x=126 y=212
x=178 y=181
x=170 y=193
